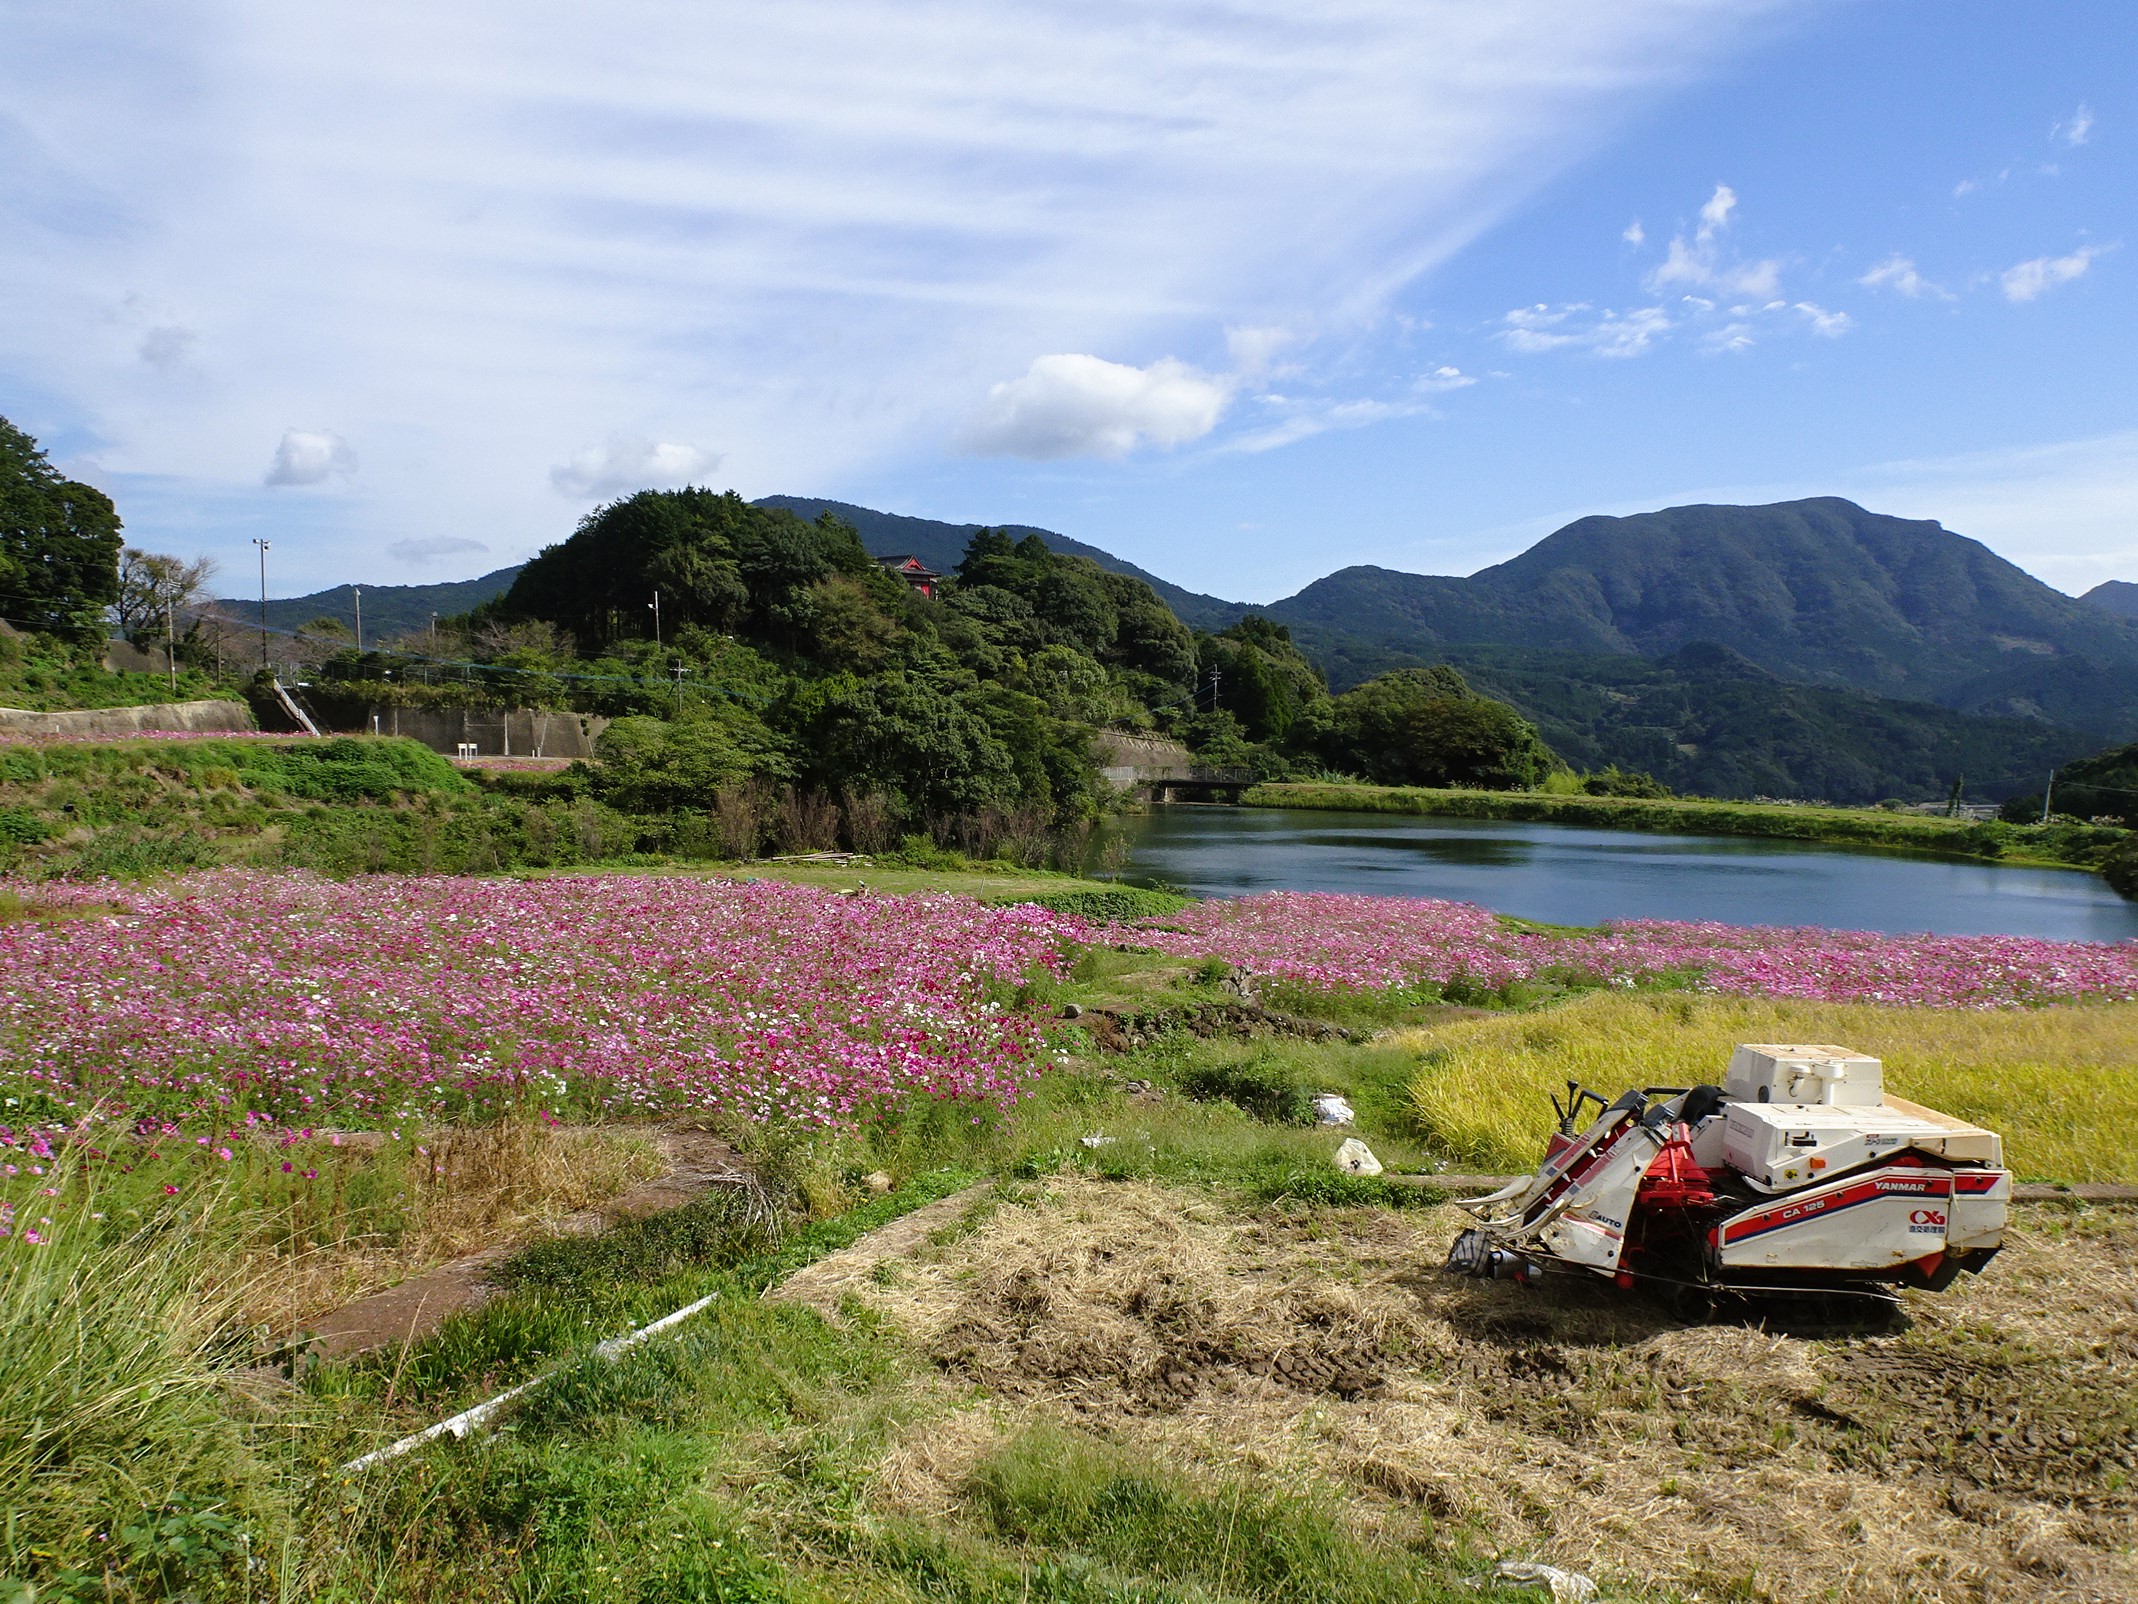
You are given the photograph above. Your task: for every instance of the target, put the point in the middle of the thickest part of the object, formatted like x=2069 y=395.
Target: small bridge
x=1165 y=771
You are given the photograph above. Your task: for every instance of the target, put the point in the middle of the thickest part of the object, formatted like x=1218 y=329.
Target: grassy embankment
x=42 y=675
x=2076 y=846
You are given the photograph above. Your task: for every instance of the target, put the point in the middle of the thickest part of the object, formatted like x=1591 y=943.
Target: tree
x=1425 y=726
x=153 y=588
x=59 y=545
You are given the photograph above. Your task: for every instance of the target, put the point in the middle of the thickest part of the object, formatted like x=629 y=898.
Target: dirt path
x=823 y=1286
x=418 y=1306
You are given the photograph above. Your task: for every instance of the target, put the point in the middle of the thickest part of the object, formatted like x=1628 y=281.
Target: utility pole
x=170 y=640
x=656 y=604
x=359 y=589
x=257 y=541
x=2048 y=791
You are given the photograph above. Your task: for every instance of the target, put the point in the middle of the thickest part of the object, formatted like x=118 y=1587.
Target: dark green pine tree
x=59 y=545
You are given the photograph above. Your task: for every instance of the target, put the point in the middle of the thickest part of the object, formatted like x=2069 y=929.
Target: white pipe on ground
x=469 y=1419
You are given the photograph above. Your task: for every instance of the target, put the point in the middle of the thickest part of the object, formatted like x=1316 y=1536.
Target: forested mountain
x=2117 y=596
x=942 y=545
x=389 y=610
x=1817 y=591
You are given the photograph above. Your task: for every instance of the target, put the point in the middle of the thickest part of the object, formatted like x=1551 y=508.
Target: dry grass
x=456 y=1191
x=2058 y=1083
x=1984 y=1454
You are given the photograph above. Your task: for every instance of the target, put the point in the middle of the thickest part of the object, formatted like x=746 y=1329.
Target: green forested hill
x=1707 y=721
x=941 y=546
x=1817 y=591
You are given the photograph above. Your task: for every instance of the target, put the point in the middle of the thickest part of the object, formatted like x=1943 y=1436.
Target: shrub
x=1263 y=1090
x=1116 y=904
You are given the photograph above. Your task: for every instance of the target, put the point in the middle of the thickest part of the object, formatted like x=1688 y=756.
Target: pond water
x=1562 y=874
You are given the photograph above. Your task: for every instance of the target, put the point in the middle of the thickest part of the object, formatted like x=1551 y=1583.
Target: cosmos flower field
x=238 y=1000
x=1351 y=943
x=304 y=1002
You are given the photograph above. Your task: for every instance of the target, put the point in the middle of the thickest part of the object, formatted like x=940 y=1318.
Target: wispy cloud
x=2075 y=129
x=1533 y=329
x=1442 y=379
x=2031 y=279
x=817 y=233
x=422 y=553
x=1702 y=263
x=1305 y=419
x=1900 y=274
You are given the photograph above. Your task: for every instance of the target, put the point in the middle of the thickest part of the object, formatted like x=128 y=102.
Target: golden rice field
x=2060 y=1084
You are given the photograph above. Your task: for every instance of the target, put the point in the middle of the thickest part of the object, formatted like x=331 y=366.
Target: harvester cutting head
x=1797 y=1175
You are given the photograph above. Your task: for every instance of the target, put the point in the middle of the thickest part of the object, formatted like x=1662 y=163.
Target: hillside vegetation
x=1708 y=721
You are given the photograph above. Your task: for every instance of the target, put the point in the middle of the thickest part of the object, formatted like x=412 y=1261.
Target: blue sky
x=1242 y=291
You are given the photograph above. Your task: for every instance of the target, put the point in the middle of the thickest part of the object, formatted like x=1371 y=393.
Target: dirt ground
x=1986 y=1449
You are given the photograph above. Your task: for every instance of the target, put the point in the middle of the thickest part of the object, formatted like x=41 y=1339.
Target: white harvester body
x=1798 y=1174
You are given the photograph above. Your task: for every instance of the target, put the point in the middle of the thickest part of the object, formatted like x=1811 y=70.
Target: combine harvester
x=1797 y=1177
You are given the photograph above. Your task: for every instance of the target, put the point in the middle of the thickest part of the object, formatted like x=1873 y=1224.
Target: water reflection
x=1568 y=875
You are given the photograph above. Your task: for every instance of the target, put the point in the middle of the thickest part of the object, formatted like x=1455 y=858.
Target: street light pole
x=263 y=545
x=359 y=589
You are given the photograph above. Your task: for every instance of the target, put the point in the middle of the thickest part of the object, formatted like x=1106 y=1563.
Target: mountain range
x=1802 y=648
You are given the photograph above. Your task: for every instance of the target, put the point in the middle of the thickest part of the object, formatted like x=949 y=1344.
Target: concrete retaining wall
x=491 y=734
x=210 y=718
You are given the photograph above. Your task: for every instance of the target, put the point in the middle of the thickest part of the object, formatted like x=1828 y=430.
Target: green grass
x=2065 y=845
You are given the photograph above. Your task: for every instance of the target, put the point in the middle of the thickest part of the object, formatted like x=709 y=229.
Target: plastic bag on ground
x=1357 y=1158
x=1567 y=1587
x=1330 y=1109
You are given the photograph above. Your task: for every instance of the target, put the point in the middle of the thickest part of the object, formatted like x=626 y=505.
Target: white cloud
x=310 y=457
x=1084 y=406
x=626 y=464
x=1701 y=263
x=1534 y=329
x=419 y=553
x=1900 y=274
x=1966 y=186
x=1715 y=215
x=813 y=232
x=1443 y=378
x=1830 y=324
x=1634 y=234
x=2028 y=280
x=2077 y=129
